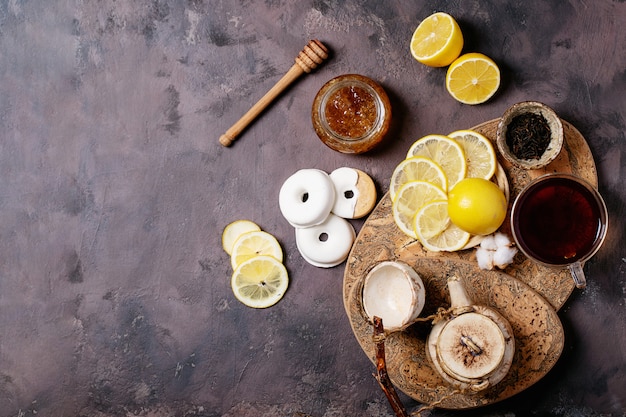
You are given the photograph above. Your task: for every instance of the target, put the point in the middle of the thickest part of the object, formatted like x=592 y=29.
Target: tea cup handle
x=576 y=269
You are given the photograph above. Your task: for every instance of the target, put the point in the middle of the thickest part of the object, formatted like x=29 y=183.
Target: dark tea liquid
x=558 y=221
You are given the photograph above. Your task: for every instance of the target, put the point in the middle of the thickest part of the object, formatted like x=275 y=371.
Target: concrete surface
x=114 y=290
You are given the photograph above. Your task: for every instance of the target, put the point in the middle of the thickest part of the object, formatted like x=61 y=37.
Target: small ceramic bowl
x=519 y=159
x=394 y=292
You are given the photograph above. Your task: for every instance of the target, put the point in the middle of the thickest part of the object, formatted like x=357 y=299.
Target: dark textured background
x=114 y=290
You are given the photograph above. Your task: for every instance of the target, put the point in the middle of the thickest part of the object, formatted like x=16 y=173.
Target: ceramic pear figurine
x=472 y=347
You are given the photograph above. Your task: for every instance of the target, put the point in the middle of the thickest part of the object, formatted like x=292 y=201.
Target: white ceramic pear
x=472 y=347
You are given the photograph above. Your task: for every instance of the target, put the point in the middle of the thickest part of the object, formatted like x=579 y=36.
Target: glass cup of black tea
x=560 y=220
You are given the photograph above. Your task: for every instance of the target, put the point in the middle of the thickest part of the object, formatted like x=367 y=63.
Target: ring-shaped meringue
x=327 y=244
x=306 y=198
x=355 y=193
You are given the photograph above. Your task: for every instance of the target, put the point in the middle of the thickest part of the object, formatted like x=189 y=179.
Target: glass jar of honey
x=351 y=113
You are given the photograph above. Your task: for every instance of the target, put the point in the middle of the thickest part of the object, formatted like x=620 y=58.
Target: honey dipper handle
x=313 y=54
x=233 y=132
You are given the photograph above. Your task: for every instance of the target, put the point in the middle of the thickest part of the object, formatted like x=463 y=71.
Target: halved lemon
x=480 y=155
x=260 y=282
x=437 y=41
x=253 y=244
x=409 y=199
x=435 y=230
x=234 y=230
x=473 y=78
x=446 y=152
x=417 y=168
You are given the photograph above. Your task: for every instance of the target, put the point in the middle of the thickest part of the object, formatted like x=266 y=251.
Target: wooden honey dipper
x=313 y=54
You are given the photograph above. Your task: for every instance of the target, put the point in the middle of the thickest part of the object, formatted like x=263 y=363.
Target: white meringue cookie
x=355 y=193
x=327 y=244
x=306 y=198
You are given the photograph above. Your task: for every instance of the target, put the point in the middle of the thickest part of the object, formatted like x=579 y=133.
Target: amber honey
x=351 y=112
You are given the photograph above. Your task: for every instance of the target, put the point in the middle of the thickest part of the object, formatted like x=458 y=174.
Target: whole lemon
x=477 y=206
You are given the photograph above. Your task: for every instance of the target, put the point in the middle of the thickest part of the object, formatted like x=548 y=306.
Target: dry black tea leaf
x=528 y=136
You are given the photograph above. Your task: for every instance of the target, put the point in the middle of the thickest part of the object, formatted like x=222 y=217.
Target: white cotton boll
x=484 y=258
x=501 y=240
x=495 y=250
x=489 y=243
x=504 y=256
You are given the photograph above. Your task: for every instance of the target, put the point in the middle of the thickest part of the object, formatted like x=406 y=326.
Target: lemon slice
x=431 y=219
x=473 y=78
x=480 y=155
x=417 y=168
x=409 y=199
x=234 y=230
x=435 y=230
x=260 y=281
x=437 y=41
x=253 y=244
x=446 y=152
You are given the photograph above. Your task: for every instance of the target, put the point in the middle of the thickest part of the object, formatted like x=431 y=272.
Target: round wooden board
x=536 y=327
x=528 y=295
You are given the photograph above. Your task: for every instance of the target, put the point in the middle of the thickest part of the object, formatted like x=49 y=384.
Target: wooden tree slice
x=527 y=294
x=536 y=328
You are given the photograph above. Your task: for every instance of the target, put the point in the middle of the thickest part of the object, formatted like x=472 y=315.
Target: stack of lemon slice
x=420 y=183
x=259 y=277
